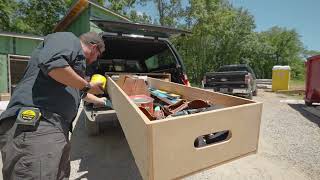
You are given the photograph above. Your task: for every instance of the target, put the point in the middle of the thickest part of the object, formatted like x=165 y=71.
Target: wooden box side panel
x=162 y=76
x=136 y=131
x=192 y=93
x=174 y=154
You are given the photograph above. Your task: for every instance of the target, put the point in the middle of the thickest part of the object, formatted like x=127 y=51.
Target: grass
x=296 y=89
x=297 y=84
x=195 y=85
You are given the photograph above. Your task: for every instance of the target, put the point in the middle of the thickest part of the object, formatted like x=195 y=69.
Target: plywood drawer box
x=164 y=149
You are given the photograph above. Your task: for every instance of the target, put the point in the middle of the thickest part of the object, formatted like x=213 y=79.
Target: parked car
x=136 y=49
x=238 y=79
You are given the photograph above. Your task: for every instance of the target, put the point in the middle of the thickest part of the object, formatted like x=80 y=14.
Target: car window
x=162 y=60
x=251 y=71
x=115 y=65
x=232 y=68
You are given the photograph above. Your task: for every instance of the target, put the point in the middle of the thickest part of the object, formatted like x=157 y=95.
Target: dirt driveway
x=288 y=149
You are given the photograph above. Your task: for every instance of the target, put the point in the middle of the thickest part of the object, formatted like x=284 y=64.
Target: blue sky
x=301 y=15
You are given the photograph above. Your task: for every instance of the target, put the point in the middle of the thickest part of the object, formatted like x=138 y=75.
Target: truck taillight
x=185 y=80
x=247 y=78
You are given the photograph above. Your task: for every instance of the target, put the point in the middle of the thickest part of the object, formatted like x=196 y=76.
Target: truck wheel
x=308 y=103
x=92 y=127
x=255 y=93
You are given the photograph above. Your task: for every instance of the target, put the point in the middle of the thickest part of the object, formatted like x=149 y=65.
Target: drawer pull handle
x=212 y=138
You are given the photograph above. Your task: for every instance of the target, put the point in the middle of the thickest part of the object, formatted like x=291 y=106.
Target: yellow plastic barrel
x=98 y=78
x=280 y=78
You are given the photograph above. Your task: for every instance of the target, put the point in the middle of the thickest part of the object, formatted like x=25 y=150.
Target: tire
x=255 y=93
x=308 y=103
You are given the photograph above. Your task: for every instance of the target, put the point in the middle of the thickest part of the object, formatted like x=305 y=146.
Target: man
x=35 y=126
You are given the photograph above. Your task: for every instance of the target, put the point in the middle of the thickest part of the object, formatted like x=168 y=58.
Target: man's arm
x=67 y=76
x=95 y=100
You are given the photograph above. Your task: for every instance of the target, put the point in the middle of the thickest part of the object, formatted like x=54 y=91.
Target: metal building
x=15 y=51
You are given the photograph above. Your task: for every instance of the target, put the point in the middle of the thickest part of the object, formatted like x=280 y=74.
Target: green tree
x=220 y=33
x=125 y=7
x=32 y=16
x=169 y=11
x=309 y=53
x=286 y=42
x=223 y=35
x=10 y=17
x=6 y=11
x=286 y=50
x=100 y=2
x=120 y=6
x=140 y=18
x=42 y=15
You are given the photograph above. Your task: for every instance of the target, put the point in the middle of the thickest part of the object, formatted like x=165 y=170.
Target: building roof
x=25 y=36
x=77 y=9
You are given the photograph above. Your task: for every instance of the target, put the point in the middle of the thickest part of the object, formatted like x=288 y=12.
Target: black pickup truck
x=236 y=79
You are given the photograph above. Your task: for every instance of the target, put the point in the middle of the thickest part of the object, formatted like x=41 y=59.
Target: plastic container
x=143 y=101
x=98 y=78
x=280 y=78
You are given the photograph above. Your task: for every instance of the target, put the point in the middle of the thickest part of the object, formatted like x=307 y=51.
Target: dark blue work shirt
x=37 y=89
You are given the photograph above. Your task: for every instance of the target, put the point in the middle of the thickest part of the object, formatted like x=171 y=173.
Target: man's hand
x=98 y=101
x=96 y=88
x=101 y=102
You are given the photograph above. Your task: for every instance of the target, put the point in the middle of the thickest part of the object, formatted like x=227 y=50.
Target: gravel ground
x=288 y=149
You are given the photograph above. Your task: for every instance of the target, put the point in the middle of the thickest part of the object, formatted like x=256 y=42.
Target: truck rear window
x=235 y=68
x=162 y=60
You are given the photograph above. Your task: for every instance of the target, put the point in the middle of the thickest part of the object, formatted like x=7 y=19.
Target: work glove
x=104 y=102
x=107 y=103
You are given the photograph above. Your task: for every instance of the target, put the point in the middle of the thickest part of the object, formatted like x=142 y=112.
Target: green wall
x=26 y=46
x=17 y=45
x=3 y=73
x=6 y=45
x=98 y=13
x=81 y=24
x=94 y=28
x=14 y=46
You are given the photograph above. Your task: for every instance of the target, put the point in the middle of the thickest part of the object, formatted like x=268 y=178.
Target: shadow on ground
x=102 y=157
x=311 y=117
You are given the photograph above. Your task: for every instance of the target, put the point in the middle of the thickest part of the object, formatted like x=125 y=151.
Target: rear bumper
x=231 y=90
